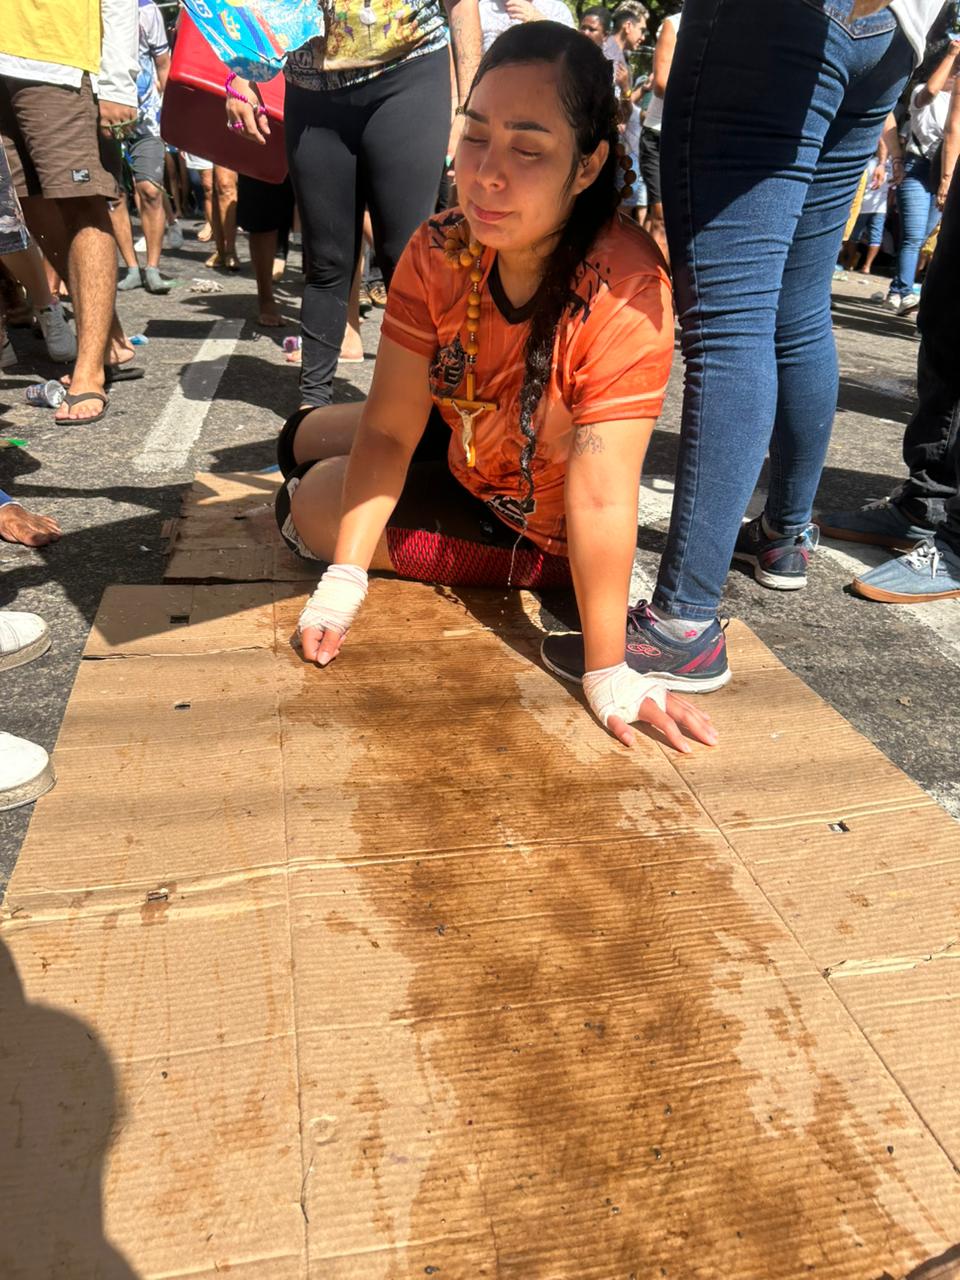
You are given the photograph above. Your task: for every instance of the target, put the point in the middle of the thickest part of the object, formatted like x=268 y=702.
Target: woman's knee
x=315 y=506
x=317 y=434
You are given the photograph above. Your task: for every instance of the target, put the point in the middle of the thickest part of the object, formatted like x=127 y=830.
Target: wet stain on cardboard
x=616 y=1073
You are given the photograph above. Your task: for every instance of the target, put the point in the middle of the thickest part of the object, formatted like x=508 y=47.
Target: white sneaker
x=892 y=300
x=60 y=339
x=23 y=637
x=8 y=356
x=140 y=246
x=909 y=302
x=173 y=236
x=26 y=772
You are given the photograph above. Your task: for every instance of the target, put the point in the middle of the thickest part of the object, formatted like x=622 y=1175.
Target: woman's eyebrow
x=530 y=125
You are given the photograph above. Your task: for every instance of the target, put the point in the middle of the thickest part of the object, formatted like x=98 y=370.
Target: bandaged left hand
x=619 y=696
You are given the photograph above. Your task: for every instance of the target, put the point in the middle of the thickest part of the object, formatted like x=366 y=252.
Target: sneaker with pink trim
x=696 y=665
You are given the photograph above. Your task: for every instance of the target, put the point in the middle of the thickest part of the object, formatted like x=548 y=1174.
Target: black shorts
x=264 y=206
x=650 y=164
x=439 y=531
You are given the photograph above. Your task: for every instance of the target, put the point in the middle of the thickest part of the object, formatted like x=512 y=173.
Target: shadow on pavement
x=60 y=1114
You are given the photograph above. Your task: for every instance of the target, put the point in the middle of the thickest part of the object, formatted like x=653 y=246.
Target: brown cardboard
x=227 y=531
x=407 y=968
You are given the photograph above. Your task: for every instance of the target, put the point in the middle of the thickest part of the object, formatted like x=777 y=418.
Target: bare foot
x=351 y=353
x=18 y=525
x=205 y=233
x=270 y=317
x=351 y=349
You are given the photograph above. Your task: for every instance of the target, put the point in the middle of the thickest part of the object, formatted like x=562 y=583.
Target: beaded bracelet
x=240 y=97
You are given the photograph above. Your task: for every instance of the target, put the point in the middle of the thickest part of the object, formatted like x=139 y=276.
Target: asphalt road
x=893 y=671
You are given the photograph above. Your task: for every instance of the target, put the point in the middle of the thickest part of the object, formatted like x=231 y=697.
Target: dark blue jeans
x=918 y=217
x=772 y=110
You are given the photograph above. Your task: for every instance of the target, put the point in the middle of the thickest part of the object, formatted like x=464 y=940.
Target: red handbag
x=194 y=119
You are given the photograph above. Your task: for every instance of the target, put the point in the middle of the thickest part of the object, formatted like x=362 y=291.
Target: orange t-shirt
x=611 y=360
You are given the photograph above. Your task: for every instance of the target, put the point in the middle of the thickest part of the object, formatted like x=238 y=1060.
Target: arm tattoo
x=466 y=39
x=586 y=440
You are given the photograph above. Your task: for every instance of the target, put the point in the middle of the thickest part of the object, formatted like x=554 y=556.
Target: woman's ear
x=590 y=167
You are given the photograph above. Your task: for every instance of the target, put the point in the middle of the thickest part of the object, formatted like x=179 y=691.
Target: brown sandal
x=70 y=401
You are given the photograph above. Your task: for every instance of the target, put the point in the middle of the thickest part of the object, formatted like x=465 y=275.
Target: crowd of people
x=535 y=239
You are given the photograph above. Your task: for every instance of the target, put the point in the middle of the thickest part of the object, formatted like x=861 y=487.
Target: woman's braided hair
x=585 y=86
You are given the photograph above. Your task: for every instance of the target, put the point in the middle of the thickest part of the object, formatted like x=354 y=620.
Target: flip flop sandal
x=70 y=401
x=126 y=372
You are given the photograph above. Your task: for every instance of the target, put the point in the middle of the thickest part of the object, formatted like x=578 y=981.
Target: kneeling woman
x=525 y=353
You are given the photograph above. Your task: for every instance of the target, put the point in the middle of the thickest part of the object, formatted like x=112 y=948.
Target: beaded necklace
x=468 y=253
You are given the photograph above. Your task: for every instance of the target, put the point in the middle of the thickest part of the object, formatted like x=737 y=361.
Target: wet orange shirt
x=611 y=360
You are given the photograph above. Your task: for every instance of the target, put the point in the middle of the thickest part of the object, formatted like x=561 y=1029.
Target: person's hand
x=329 y=613
x=320 y=645
x=619 y=697
x=247 y=119
x=621 y=77
x=896 y=170
x=19 y=525
x=943 y=190
x=116 y=119
x=523 y=11
x=878 y=177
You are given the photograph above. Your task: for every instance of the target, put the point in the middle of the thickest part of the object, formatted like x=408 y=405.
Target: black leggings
x=377 y=145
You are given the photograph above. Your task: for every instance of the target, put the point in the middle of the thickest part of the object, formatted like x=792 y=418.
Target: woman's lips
x=486 y=215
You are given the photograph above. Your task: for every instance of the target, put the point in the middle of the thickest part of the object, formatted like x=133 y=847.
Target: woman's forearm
x=601 y=543
x=374 y=481
x=466 y=40
x=938 y=80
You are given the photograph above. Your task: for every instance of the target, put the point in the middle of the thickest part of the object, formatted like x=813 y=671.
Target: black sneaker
x=698 y=665
x=780 y=563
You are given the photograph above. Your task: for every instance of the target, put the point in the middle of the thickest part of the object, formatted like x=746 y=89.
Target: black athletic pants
x=377 y=145
x=931 y=444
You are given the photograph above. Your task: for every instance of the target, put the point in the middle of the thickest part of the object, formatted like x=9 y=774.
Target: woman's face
x=514 y=160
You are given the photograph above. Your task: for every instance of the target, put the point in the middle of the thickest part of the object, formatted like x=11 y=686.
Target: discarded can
x=139 y=340
x=291 y=344
x=46 y=394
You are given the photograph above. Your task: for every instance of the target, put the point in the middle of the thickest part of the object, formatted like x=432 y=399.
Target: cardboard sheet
x=227 y=532
x=406 y=968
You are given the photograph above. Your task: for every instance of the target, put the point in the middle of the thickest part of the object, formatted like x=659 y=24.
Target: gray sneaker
x=881 y=523
x=929 y=572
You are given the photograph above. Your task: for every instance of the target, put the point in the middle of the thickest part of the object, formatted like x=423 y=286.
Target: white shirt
x=494 y=17
x=654 y=117
x=119 y=62
x=875 y=200
x=927 y=123
x=916 y=17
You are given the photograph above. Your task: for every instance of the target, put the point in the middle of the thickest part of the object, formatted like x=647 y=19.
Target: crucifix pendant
x=469 y=410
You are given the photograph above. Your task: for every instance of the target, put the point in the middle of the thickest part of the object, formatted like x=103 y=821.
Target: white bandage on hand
x=337 y=599
x=620 y=691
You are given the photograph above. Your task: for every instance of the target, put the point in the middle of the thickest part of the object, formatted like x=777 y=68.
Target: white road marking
x=941 y=617
x=175 y=432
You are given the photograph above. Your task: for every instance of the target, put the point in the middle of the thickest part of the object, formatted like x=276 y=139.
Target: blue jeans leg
x=765 y=138
x=915 y=200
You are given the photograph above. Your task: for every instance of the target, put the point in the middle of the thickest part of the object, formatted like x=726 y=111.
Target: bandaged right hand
x=330 y=612
x=619 y=696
